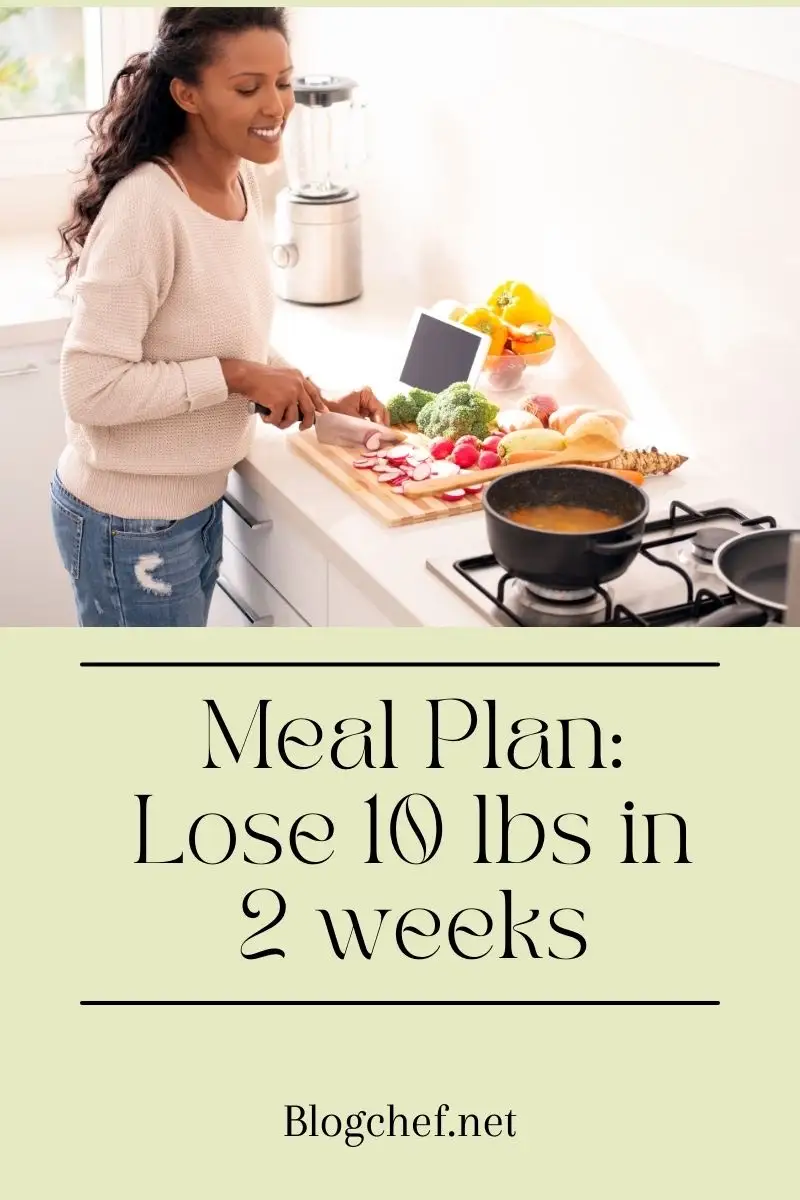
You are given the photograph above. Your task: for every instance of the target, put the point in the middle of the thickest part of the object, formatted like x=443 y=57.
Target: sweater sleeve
x=104 y=378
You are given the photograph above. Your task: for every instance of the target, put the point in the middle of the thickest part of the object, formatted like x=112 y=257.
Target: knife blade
x=338 y=429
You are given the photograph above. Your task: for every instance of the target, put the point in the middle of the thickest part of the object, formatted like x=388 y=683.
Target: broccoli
x=403 y=410
x=420 y=398
x=457 y=412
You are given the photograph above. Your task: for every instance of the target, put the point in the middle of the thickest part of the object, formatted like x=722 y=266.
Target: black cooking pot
x=565 y=561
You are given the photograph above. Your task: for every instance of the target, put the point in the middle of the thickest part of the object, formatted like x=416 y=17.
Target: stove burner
x=566 y=596
x=544 y=606
x=695 y=549
x=707 y=542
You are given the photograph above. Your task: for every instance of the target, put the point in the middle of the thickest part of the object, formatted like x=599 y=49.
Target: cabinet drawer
x=226 y=613
x=256 y=600
x=296 y=569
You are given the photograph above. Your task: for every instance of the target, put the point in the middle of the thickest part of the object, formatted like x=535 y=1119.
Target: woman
x=168 y=347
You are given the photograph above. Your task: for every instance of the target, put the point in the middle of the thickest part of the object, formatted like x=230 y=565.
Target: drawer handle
x=243 y=515
x=18 y=372
x=245 y=609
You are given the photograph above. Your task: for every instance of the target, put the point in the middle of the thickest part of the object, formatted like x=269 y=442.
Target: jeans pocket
x=68 y=529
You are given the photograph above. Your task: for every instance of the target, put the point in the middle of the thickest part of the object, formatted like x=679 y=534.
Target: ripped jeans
x=135 y=573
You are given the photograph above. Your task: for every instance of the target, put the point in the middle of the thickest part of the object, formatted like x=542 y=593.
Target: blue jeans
x=137 y=573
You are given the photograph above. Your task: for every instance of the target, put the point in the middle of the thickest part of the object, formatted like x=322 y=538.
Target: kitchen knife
x=338 y=429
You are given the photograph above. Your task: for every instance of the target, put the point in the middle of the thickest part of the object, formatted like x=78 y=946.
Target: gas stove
x=672 y=581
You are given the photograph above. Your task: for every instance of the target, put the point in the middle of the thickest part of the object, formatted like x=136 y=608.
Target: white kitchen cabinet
x=34 y=587
x=227 y=613
x=244 y=597
x=278 y=550
x=348 y=608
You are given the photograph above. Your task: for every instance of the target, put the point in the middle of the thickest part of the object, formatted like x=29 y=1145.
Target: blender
x=317 y=250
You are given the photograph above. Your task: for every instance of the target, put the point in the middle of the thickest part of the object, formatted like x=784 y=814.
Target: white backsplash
x=506 y=143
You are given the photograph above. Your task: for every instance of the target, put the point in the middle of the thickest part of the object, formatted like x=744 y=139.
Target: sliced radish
x=380 y=465
x=474 y=490
x=452 y=496
x=445 y=468
x=421 y=472
x=389 y=476
x=364 y=464
x=397 y=454
x=398 y=488
x=373 y=442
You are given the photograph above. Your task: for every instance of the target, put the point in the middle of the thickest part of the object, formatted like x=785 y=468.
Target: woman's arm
x=104 y=380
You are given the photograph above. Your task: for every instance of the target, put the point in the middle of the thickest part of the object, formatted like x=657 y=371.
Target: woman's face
x=244 y=96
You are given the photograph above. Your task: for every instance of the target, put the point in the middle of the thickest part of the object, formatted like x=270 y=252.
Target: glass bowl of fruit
x=528 y=347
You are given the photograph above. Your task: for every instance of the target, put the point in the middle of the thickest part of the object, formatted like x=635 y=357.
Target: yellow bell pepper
x=518 y=304
x=486 y=322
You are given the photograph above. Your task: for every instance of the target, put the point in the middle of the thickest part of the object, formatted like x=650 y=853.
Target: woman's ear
x=184 y=96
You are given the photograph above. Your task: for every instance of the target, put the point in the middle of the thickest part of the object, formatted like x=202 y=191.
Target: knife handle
x=265 y=412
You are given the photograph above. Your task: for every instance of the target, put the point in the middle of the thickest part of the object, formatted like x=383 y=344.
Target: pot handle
x=617 y=547
x=735 y=615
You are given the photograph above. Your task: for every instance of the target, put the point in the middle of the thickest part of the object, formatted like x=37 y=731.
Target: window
x=56 y=65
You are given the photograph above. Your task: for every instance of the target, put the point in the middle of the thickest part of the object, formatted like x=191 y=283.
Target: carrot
x=631 y=476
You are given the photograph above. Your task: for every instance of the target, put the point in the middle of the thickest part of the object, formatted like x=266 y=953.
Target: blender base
x=318 y=249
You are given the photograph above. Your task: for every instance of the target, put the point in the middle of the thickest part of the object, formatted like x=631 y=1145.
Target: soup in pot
x=564 y=518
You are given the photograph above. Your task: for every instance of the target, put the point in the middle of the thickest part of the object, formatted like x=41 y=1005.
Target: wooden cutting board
x=376 y=498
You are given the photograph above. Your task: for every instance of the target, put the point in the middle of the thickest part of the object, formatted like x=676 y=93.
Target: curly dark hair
x=141 y=121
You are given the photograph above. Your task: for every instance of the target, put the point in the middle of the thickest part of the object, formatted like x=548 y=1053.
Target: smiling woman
x=168 y=348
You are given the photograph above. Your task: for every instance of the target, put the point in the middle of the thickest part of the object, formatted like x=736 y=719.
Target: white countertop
x=30 y=310
x=355 y=345
x=388 y=564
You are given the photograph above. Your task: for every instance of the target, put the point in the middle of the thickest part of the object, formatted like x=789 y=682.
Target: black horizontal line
x=400 y=1003
x=387 y=665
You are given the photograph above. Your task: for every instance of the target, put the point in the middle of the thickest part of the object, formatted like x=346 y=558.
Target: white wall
x=508 y=143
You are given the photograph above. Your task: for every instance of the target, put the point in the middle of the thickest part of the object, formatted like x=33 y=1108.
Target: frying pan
x=755 y=567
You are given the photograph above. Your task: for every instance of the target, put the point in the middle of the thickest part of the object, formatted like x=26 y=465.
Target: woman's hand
x=361 y=404
x=286 y=393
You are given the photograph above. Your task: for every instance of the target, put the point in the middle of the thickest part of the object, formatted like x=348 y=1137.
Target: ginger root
x=647 y=462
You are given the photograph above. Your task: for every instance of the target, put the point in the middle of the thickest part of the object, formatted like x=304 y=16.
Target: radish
x=474 y=489
x=465 y=455
x=442 y=448
x=421 y=472
x=488 y=459
x=491 y=443
x=445 y=468
x=391 y=473
x=454 y=495
x=398 y=488
x=397 y=455
x=373 y=442
x=469 y=440
x=379 y=465
x=363 y=464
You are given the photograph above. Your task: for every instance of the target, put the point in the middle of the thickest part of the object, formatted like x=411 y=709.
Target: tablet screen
x=440 y=354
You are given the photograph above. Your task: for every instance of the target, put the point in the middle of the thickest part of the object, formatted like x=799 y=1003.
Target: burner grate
x=680 y=526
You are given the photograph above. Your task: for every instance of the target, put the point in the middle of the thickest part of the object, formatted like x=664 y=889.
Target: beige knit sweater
x=163 y=291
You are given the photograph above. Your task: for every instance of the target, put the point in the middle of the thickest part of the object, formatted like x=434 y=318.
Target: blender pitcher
x=318 y=255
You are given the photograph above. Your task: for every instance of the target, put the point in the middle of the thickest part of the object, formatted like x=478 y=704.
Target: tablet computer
x=440 y=352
